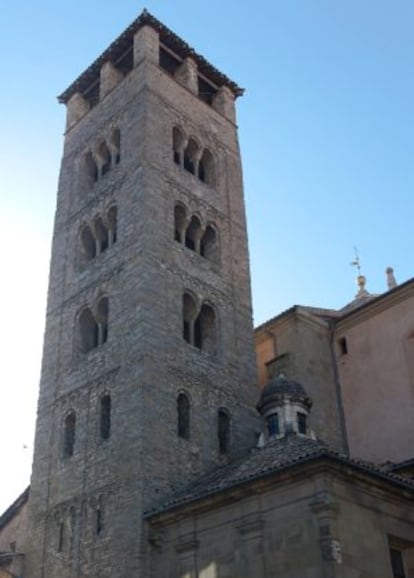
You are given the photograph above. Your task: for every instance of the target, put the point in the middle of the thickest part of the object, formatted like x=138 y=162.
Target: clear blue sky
x=326 y=129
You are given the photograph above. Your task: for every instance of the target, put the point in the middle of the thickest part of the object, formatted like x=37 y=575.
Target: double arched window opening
x=189 y=232
x=199 y=325
x=189 y=155
x=93 y=326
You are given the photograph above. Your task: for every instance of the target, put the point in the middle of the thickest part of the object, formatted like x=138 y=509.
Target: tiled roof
x=276 y=456
x=123 y=43
x=14 y=508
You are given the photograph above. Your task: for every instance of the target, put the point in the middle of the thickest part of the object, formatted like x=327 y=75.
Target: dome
x=280 y=388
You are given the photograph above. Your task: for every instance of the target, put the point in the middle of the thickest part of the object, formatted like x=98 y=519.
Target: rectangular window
x=343 y=346
x=273 y=424
x=397 y=563
x=302 y=422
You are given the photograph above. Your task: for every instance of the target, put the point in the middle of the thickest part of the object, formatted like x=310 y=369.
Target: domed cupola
x=285 y=406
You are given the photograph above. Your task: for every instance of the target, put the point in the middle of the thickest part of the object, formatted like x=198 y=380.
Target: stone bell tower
x=148 y=364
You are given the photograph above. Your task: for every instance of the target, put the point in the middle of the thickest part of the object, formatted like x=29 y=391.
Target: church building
x=162 y=448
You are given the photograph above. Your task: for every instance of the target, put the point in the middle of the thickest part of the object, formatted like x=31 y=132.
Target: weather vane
x=356 y=262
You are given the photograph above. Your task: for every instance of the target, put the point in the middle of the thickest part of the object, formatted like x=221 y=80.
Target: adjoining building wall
x=377 y=376
x=316 y=524
x=302 y=346
x=13 y=529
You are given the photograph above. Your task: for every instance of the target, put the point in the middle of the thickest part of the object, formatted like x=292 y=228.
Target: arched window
x=208 y=244
x=69 y=434
x=88 y=331
x=207 y=329
x=206 y=170
x=113 y=225
x=179 y=223
x=183 y=416
x=189 y=312
x=88 y=244
x=193 y=234
x=104 y=158
x=101 y=234
x=91 y=168
x=102 y=318
x=191 y=157
x=223 y=431
x=115 y=144
x=178 y=146
x=105 y=416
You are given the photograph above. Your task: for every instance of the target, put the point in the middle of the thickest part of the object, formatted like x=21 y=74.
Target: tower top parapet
x=116 y=54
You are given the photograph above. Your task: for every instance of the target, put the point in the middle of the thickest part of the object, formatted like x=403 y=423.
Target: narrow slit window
x=183 y=416
x=223 y=431
x=61 y=537
x=69 y=435
x=105 y=417
x=343 y=346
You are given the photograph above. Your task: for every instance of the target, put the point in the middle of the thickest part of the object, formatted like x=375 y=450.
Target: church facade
x=155 y=452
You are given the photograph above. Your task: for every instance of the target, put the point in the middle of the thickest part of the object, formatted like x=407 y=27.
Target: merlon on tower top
x=119 y=53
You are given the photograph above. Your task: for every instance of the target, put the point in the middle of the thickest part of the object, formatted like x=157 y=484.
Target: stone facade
x=322 y=521
x=117 y=306
x=151 y=458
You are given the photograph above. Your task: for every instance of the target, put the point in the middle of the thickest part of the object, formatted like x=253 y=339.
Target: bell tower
x=148 y=366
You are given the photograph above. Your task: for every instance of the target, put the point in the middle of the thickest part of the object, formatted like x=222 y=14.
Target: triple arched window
x=93 y=325
x=192 y=157
x=102 y=157
x=98 y=235
x=190 y=232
